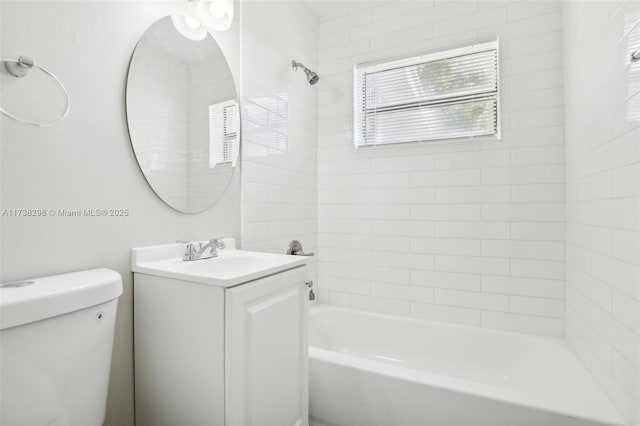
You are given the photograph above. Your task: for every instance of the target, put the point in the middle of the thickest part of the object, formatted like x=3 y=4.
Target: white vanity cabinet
x=211 y=354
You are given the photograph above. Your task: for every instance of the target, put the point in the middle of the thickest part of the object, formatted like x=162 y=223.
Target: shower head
x=312 y=77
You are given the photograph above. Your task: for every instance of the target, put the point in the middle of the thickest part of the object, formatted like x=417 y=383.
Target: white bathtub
x=380 y=370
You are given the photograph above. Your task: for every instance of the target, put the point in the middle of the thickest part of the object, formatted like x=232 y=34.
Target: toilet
x=56 y=340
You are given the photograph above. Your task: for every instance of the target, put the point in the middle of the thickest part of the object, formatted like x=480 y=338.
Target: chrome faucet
x=295 y=248
x=312 y=295
x=199 y=252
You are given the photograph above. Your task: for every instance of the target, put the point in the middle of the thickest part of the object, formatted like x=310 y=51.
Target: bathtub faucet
x=312 y=295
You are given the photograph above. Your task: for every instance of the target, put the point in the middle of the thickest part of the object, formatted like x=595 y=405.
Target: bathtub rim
x=454 y=384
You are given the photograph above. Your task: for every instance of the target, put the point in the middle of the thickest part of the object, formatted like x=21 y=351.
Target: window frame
x=227 y=137
x=389 y=64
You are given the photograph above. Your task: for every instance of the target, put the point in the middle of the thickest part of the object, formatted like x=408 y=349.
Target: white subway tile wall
x=279 y=152
x=161 y=143
x=209 y=83
x=462 y=232
x=602 y=90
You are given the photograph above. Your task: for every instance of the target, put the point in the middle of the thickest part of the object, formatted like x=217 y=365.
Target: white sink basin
x=231 y=267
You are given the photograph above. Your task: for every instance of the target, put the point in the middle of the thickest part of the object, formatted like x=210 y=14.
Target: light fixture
x=217 y=9
x=189 y=27
x=203 y=15
x=214 y=14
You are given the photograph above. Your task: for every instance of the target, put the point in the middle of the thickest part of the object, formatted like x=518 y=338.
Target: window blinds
x=223 y=133
x=447 y=95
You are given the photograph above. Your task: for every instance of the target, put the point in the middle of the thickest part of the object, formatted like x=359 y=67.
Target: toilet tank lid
x=35 y=299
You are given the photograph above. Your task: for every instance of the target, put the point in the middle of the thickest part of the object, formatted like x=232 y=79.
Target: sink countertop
x=230 y=268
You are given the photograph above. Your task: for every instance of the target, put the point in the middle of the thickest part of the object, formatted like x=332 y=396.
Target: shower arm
x=295 y=65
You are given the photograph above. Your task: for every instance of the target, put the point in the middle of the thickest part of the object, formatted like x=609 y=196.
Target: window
x=446 y=95
x=223 y=133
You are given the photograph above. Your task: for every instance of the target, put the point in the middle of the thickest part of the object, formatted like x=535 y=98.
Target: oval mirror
x=183 y=115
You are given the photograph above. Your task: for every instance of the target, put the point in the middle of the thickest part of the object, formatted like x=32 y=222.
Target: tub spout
x=312 y=295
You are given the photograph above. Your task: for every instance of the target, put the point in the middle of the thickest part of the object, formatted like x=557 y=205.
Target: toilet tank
x=56 y=339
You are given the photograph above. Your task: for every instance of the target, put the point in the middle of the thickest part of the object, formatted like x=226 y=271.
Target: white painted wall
x=279 y=152
x=468 y=232
x=602 y=89
x=87 y=161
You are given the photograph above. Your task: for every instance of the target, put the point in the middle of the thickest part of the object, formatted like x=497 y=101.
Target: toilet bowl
x=56 y=339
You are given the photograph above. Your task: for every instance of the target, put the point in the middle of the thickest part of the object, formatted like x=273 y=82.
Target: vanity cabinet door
x=266 y=357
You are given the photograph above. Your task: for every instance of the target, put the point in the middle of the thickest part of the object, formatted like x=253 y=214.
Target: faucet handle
x=295 y=248
x=189 y=252
x=218 y=243
x=190 y=248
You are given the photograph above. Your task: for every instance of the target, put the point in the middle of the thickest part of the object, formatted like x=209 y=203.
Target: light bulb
x=191 y=23
x=217 y=9
x=189 y=27
x=215 y=15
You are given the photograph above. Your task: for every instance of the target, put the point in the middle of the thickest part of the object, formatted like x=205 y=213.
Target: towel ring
x=20 y=68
